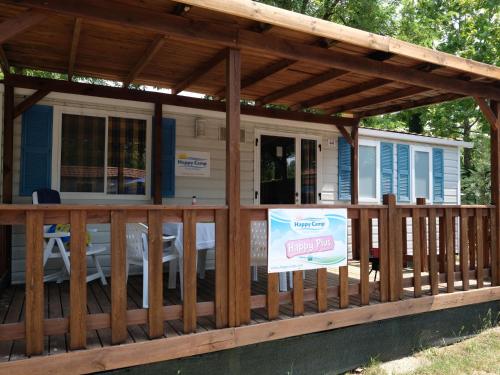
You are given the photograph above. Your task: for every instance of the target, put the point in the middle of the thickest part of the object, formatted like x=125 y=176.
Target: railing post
x=189 y=260
x=364 y=253
x=424 y=256
x=221 y=269
x=495 y=255
x=384 y=259
x=245 y=283
x=495 y=193
x=433 y=261
x=417 y=247
x=118 y=279
x=450 y=251
x=155 y=274
x=464 y=248
x=34 y=283
x=78 y=280
x=395 y=250
x=479 y=247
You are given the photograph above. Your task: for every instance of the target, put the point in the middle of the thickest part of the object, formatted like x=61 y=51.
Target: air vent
x=222 y=135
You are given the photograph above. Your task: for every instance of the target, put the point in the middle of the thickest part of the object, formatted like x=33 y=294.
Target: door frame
x=258 y=133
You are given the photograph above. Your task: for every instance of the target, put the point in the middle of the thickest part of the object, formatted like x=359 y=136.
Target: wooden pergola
x=310 y=70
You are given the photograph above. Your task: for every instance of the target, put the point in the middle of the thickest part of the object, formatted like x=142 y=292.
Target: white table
x=205 y=240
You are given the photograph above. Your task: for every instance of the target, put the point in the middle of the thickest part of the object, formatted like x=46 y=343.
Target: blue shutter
x=167 y=157
x=344 y=169
x=403 y=173
x=386 y=168
x=36 y=149
x=438 y=175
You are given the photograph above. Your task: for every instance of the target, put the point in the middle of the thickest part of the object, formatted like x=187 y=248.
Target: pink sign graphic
x=309 y=246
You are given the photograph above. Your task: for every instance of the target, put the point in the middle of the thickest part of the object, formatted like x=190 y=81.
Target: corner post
x=495 y=191
x=233 y=82
x=157 y=153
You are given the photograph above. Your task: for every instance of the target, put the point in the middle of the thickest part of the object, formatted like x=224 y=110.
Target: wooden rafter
x=20 y=23
x=74 y=47
x=78 y=88
x=301 y=86
x=345 y=134
x=189 y=30
x=353 y=90
x=410 y=104
x=199 y=72
x=487 y=112
x=30 y=101
x=4 y=62
x=146 y=57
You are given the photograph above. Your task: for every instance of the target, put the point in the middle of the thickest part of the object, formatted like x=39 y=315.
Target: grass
x=477 y=355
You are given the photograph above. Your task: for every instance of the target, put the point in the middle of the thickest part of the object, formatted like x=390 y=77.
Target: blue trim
x=403 y=172
x=438 y=175
x=344 y=169
x=386 y=168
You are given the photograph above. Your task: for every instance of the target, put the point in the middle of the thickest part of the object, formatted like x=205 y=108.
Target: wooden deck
x=56 y=305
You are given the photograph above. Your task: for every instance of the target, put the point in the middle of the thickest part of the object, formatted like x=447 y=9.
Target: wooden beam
x=30 y=101
x=411 y=104
x=74 y=47
x=146 y=57
x=21 y=22
x=487 y=112
x=78 y=88
x=495 y=194
x=157 y=153
x=189 y=30
x=4 y=62
x=8 y=144
x=199 y=72
x=233 y=79
x=301 y=86
x=345 y=134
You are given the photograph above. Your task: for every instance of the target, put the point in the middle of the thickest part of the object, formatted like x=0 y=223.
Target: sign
x=304 y=239
x=192 y=163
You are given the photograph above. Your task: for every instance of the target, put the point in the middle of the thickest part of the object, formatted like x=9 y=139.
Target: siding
x=208 y=190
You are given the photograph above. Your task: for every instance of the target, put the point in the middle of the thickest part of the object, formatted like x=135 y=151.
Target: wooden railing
x=448 y=244
x=36 y=325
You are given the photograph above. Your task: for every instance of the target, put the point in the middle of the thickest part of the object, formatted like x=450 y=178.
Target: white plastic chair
x=258 y=253
x=137 y=254
x=54 y=248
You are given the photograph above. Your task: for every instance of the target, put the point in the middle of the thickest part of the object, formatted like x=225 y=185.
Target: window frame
x=376 y=144
x=413 y=150
x=56 y=154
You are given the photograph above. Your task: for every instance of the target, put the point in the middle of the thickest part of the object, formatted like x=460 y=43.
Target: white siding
x=208 y=190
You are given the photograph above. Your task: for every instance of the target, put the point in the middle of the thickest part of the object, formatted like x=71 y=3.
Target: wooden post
x=495 y=192
x=155 y=274
x=433 y=265
x=8 y=157
x=118 y=280
x=394 y=247
x=424 y=256
x=189 y=302
x=233 y=79
x=364 y=254
x=245 y=281
x=78 y=281
x=221 y=276
x=417 y=248
x=157 y=153
x=450 y=251
x=384 y=261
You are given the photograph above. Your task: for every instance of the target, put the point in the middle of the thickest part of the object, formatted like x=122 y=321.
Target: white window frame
x=56 y=153
x=413 y=150
x=298 y=138
x=376 y=144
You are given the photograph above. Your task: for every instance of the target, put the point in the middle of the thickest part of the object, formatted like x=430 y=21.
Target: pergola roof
x=287 y=58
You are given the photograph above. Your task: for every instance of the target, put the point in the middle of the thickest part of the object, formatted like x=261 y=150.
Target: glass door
x=277 y=170
x=308 y=171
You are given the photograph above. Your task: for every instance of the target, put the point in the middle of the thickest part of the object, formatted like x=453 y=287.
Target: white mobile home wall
x=211 y=190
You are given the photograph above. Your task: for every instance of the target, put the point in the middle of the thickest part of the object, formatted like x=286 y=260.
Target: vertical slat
x=118 y=278
x=364 y=252
x=34 y=283
x=433 y=261
x=495 y=261
x=394 y=245
x=478 y=217
x=472 y=243
x=155 y=274
x=417 y=245
x=464 y=250
x=321 y=289
x=298 y=293
x=424 y=255
x=442 y=245
x=450 y=252
x=343 y=287
x=273 y=302
x=78 y=281
x=189 y=240
x=384 y=261
x=245 y=283
x=233 y=92
x=486 y=240
x=221 y=269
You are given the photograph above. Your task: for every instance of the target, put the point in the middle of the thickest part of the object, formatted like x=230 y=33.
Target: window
x=369 y=189
x=103 y=155
x=422 y=173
